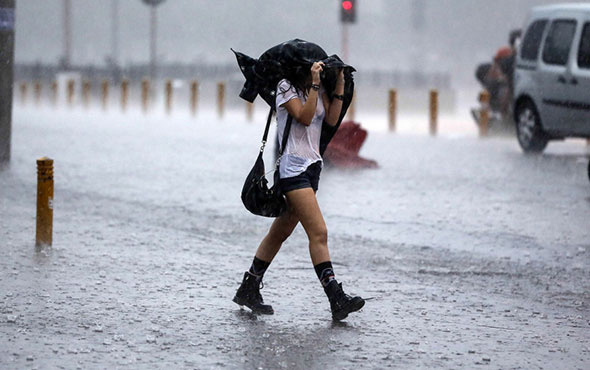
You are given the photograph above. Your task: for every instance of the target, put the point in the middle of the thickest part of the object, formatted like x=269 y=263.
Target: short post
x=86 y=93
x=194 y=96
x=352 y=108
x=168 y=96
x=433 y=112
x=44 y=201
x=37 y=92
x=54 y=93
x=220 y=99
x=484 y=113
x=124 y=94
x=70 y=92
x=104 y=89
x=249 y=111
x=392 y=109
x=23 y=92
x=145 y=95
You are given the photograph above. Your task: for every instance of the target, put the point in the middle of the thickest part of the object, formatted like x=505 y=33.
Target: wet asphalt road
x=472 y=254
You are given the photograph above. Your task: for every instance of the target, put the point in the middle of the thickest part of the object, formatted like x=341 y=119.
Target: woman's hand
x=316 y=69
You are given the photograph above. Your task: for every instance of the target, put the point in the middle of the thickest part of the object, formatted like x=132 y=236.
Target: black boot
x=248 y=295
x=341 y=303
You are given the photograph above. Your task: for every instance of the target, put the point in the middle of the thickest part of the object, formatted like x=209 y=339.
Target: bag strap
x=265 y=136
x=285 y=134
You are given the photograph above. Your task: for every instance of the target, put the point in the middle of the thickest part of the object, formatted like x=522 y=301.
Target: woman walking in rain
x=302 y=96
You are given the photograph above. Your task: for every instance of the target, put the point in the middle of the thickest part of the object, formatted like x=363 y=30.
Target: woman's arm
x=304 y=113
x=334 y=108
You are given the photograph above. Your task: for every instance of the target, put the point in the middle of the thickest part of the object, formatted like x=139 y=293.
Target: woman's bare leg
x=248 y=293
x=305 y=206
x=279 y=231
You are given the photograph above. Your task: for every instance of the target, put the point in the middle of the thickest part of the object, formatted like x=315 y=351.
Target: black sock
x=325 y=272
x=258 y=267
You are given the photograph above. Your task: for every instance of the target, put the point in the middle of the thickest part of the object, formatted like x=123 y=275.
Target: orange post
x=221 y=99
x=104 y=89
x=352 y=108
x=44 y=201
x=392 y=109
x=145 y=95
x=124 y=94
x=168 y=96
x=70 y=92
x=86 y=93
x=194 y=96
x=37 y=92
x=23 y=92
x=484 y=115
x=54 y=93
x=433 y=112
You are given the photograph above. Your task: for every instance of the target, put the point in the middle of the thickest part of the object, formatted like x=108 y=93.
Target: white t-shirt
x=303 y=143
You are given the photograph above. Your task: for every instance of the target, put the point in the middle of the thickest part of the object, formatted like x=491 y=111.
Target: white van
x=552 y=76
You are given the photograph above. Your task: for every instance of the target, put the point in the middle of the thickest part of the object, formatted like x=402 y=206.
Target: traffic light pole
x=347 y=16
x=6 y=76
x=345 y=42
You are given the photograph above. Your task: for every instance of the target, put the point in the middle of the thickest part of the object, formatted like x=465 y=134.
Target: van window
x=584 y=52
x=532 y=40
x=559 y=42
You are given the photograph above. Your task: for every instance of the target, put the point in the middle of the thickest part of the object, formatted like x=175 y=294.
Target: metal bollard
x=350 y=114
x=70 y=92
x=194 y=97
x=392 y=109
x=86 y=93
x=104 y=89
x=168 y=96
x=23 y=92
x=124 y=94
x=484 y=113
x=54 y=93
x=433 y=112
x=221 y=99
x=37 y=92
x=43 y=235
x=145 y=95
x=249 y=111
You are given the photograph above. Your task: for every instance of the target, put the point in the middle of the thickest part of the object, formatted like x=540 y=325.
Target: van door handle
x=561 y=79
x=574 y=81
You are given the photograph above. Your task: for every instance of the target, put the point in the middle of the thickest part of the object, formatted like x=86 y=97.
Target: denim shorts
x=310 y=178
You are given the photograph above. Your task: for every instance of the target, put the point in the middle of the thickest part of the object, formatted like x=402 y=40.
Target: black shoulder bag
x=256 y=196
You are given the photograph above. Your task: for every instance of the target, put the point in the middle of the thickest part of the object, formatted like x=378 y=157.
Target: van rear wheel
x=530 y=134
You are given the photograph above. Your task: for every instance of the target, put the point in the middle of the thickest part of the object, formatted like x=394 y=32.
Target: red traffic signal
x=348 y=11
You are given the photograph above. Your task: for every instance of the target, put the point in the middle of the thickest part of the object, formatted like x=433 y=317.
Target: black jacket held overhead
x=263 y=75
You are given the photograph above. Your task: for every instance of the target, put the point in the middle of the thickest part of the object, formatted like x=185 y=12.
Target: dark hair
x=513 y=36
x=297 y=77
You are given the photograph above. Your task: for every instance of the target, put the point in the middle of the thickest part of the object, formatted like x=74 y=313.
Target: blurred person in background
x=497 y=78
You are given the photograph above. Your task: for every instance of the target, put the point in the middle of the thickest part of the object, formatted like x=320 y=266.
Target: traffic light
x=348 y=11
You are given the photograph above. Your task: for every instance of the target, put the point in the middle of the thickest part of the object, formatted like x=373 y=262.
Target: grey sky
x=458 y=33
